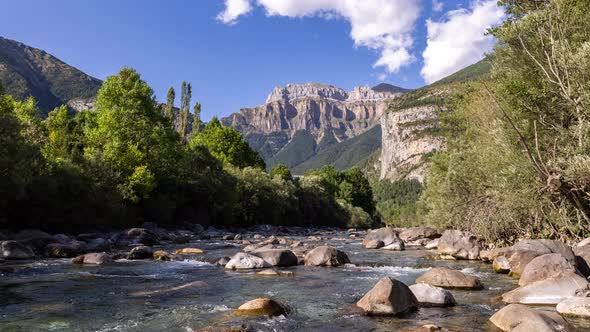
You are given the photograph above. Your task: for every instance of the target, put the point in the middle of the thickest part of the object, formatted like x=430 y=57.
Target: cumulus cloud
x=382 y=25
x=233 y=10
x=437 y=6
x=460 y=39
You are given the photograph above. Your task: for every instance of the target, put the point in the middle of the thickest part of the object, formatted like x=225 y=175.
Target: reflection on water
x=54 y=295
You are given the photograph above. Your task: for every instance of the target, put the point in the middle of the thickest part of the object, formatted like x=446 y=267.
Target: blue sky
x=233 y=64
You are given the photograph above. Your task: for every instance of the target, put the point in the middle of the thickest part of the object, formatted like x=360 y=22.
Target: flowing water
x=55 y=295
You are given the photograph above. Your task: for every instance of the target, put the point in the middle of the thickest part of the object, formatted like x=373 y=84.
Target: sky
x=234 y=52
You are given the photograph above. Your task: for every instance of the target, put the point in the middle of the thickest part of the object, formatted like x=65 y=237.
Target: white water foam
x=473 y=272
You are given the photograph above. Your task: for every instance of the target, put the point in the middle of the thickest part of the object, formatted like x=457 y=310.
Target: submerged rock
x=96 y=258
x=15 y=250
x=454 y=244
x=548 y=291
x=544 y=267
x=277 y=257
x=141 y=252
x=518 y=317
x=575 y=307
x=326 y=256
x=381 y=237
x=243 y=260
x=262 y=307
x=428 y=295
x=388 y=297
x=274 y=273
x=448 y=278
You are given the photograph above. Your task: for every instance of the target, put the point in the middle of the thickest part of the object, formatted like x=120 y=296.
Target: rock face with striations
x=326 y=114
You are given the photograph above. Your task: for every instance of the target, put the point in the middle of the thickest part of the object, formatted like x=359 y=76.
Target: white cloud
x=460 y=40
x=233 y=10
x=382 y=25
x=437 y=5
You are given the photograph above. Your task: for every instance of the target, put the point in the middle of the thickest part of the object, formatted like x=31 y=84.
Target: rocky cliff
x=327 y=114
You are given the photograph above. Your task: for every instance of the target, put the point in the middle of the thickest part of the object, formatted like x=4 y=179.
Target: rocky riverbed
x=287 y=279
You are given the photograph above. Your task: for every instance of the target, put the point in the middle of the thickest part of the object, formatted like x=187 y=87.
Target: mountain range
x=389 y=130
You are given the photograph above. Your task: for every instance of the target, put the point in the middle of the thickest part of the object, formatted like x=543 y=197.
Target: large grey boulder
x=575 y=307
x=277 y=257
x=65 y=250
x=262 y=307
x=544 y=267
x=141 y=252
x=35 y=239
x=429 y=295
x=381 y=237
x=326 y=256
x=418 y=233
x=548 y=291
x=242 y=260
x=521 y=318
x=454 y=244
x=15 y=250
x=583 y=259
x=448 y=278
x=95 y=258
x=388 y=297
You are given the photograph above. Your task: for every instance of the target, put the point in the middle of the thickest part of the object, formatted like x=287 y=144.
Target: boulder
x=418 y=233
x=548 y=291
x=544 y=267
x=277 y=257
x=161 y=255
x=397 y=246
x=35 y=239
x=547 y=247
x=141 y=252
x=222 y=261
x=98 y=245
x=448 y=278
x=142 y=236
x=388 y=297
x=432 y=244
x=519 y=259
x=431 y=296
x=188 y=251
x=583 y=259
x=575 y=307
x=65 y=250
x=521 y=318
x=243 y=260
x=583 y=243
x=274 y=273
x=501 y=265
x=262 y=307
x=15 y=250
x=386 y=235
x=326 y=256
x=96 y=258
x=454 y=244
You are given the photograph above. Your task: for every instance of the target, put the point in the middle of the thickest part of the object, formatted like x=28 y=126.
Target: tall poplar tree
x=197 y=117
x=169 y=111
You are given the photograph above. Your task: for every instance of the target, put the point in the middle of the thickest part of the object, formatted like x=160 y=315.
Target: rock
x=521 y=318
x=98 y=245
x=448 y=278
x=274 y=273
x=188 y=251
x=575 y=307
x=583 y=243
x=15 y=250
x=433 y=244
x=258 y=236
x=67 y=250
x=547 y=247
x=501 y=265
x=544 y=267
x=238 y=237
x=458 y=245
x=142 y=236
x=583 y=259
x=161 y=255
x=386 y=235
x=326 y=256
x=96 y=258
x=548 y=291
x=429 y=328
x=398 y=246
x=228 y=237
x=418 y=233
x=243 y=260
x=236 y=328
x=141 y=252
x=388 y=297
x=428 y=295
x=222 y=261
x=87 y=237
x=277 y=257
x=35 y=239
x=262 y=307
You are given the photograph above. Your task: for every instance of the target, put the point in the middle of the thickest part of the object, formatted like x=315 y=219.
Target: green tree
x=282 y=172
x=361 y=194
x=227 y=145
x=197 y=118
x=169 y=110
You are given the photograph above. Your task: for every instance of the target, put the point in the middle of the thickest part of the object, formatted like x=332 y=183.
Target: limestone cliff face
x=321 y=110
x=409 y=136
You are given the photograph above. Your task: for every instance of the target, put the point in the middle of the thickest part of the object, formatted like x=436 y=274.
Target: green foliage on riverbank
x=518 y=157
x=124 y=164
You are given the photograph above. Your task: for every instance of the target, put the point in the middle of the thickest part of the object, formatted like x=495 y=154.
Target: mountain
x=411 y=130
x=30 y=72
x=299 y=121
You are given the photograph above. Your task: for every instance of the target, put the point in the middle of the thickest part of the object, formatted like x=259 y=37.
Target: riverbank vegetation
x=131 y=161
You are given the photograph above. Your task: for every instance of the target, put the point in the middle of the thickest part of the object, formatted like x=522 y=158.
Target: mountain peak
x=294 y=91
